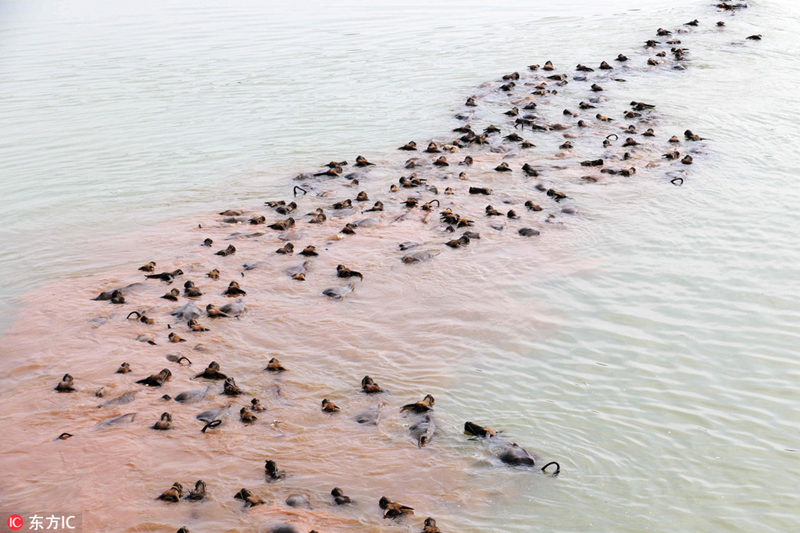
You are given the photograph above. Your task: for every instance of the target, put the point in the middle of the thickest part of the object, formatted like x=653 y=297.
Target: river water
x=649 y=344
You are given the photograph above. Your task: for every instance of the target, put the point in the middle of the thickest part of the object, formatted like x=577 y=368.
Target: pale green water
x=663 y=374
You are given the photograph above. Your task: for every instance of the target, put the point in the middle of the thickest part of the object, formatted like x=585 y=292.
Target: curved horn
x=136 y=313
x=212 y=424
x=616 y=137
x=558 y=468
x=673 y=180
x=294 y=191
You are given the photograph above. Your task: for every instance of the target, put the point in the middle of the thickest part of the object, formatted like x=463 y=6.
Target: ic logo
x=14 y=522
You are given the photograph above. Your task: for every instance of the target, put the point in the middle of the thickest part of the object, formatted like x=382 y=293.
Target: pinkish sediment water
x=484 y=327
